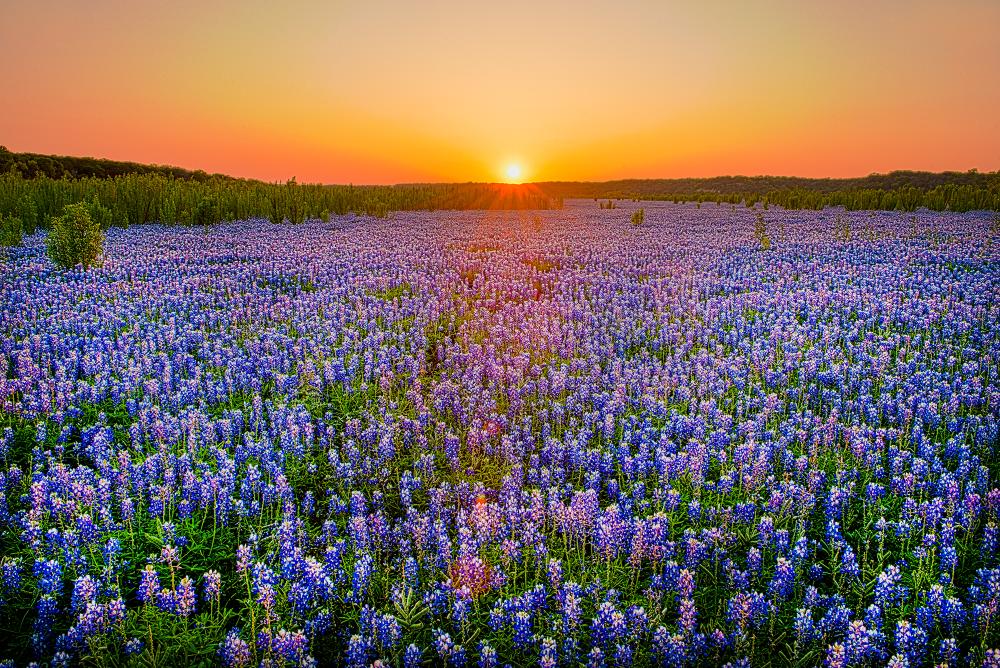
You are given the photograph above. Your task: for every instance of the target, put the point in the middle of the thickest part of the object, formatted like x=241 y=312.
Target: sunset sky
x=382 y=92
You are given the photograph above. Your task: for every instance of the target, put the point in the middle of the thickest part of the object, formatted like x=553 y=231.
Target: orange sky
x=383 y=92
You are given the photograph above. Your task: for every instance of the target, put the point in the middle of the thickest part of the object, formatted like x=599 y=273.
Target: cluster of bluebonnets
x=489 y=438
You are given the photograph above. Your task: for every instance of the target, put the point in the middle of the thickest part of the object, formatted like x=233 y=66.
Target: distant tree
x=75 y=237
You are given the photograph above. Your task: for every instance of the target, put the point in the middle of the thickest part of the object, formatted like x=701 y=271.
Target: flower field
x=473 y=438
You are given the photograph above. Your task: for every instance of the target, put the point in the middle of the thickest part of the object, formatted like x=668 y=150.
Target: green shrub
x=638 y=217
x=75 y=237
x=10 y=231
x=205 y=212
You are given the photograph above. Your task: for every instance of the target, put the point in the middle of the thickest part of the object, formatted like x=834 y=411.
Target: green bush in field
x=75 y=237
x=638 y=217
x=10 y=231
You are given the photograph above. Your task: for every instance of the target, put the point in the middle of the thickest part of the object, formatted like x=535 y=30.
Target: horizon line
x=970 y=170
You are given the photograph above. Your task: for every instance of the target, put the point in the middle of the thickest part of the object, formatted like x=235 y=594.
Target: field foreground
x=472 y=438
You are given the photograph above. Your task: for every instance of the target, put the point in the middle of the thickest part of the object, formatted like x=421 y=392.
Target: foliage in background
x=36 y=187
x=141 y=198
x=10 y=231
x=899 y=190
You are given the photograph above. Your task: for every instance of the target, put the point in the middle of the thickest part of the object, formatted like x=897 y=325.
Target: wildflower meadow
x=691 y=435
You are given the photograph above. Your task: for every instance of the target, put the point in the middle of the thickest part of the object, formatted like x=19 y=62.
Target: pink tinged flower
x=685 y=583
x=185 y=597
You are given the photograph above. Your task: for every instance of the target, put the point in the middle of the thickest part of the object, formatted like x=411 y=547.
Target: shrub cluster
x=76 y=237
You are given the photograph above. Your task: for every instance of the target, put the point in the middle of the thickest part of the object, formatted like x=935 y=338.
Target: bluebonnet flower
x=522 y=628
x=487 y=655
x=212 y=586
x=235 y=652
x=783 y=580
x=49 y=574
x=661 y=410
x=888 y=590
x=910 y=641
x=805 y=628
x=185 y=597
x=412 y=657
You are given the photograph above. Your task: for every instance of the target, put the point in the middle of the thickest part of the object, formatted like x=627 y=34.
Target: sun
x=513 y=173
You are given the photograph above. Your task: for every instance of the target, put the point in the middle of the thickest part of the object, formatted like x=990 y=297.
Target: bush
x=638 y=216
x=205 y=212
x=10 y=231
x=75 y=237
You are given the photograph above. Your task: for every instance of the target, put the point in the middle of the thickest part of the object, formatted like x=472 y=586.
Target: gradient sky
x=387 y=92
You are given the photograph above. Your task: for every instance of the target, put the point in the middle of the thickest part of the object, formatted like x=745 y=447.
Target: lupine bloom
x=235 y=651
x=185 y=597
x=537 y=437
x=888 y=591
x=783 y=580
x=212 y=586
x=149 y=585
x=471 y=576
x=412 y=656
x=487 y=655
x=522 y=628
x=84 y=592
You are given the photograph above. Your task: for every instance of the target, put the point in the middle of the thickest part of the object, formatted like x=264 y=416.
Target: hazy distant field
x=478 y=438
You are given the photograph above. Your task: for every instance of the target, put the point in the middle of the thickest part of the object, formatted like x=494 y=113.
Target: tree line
x=900 y=190
x=142 y=198
x=36 y=188
x=947 y=197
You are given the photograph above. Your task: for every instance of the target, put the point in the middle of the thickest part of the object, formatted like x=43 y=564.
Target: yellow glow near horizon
x=513 y=173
